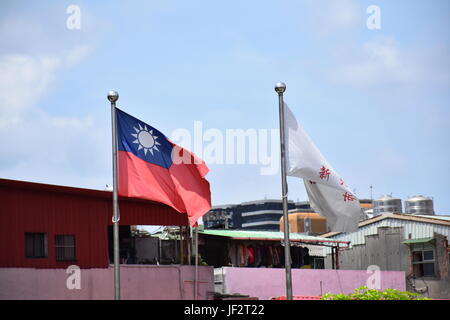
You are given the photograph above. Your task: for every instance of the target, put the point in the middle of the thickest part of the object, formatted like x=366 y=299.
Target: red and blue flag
x=152 y=167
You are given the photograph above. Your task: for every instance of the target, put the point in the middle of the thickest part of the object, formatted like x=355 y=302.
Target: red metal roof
x=142 y=211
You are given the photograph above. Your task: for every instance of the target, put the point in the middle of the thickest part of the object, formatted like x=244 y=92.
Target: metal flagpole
x=113 y=96
x=196 y=264
x=188 y=243
x=280 y=88
x=181 y=246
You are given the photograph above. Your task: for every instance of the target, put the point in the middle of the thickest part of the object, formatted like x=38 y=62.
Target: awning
x=268 y=236
x=414 y=241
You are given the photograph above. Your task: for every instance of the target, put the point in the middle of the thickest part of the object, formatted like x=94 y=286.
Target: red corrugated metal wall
x=30 y=207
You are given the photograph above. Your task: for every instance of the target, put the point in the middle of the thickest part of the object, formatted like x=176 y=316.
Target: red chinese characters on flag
x=324 y=173
x=349 y=197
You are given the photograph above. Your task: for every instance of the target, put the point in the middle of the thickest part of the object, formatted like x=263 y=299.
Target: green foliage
x=364 y=293
x=201 y=261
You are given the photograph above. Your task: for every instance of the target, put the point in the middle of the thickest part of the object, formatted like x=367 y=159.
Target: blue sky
x=375 y=102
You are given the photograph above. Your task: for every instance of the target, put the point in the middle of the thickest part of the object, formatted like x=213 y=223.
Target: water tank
x=369 y=213
x=387 y=204
x=419 y=205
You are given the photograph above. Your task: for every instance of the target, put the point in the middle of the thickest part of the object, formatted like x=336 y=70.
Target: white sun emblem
x=145 y=139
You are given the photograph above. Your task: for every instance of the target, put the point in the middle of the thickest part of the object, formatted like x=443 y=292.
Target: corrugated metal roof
x=265 y=235
x=414 y=227
x=396 y=217
x=445 y=218
x=106 y=194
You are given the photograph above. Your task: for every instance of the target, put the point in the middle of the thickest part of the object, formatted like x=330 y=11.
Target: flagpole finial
x=113 y=96
x=280 y=87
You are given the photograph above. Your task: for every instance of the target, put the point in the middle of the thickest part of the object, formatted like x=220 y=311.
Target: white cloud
x=382 y=63
x=375 y=63
x=62 y=150
x=37 y=145
x=78 y=53
x=24 y=79
x=37 y=50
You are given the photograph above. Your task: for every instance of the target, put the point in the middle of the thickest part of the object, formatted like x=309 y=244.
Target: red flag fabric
x=152 y=167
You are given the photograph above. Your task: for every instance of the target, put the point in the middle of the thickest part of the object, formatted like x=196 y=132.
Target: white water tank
x=419 y=205
x=387 y=204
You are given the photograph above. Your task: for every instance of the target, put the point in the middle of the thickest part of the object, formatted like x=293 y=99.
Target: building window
x=35 y=245
x=318 y=263
x=423 y=263
x=65 y=247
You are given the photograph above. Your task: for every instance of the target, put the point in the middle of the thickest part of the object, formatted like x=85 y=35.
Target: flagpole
x=113 y=96
x=196 y=264
x=280 y=88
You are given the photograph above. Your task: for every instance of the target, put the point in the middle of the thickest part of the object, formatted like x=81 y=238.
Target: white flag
x=328 y=194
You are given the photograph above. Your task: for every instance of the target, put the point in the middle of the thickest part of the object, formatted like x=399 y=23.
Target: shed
x=229 y=248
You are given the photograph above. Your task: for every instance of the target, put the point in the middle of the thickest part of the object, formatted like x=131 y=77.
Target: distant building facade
x=305 y=221
x=266 y=215
x=253 y=215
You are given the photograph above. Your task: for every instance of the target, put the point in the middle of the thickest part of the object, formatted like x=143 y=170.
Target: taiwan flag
x=152 y=167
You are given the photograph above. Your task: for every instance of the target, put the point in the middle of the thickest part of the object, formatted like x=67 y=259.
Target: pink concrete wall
x=266 y=283
x=173 y=282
